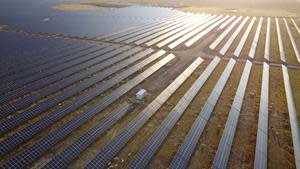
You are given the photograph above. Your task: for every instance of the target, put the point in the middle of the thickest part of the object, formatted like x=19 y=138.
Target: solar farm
x=223 y=91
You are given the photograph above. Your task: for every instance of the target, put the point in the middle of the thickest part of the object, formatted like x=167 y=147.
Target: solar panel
x=223 y=25
x=31 y=75
x=195 y=31
x=35 y=47
x=162 y=29
x=36 y=59
x=154 y=28
x=292 y=40
x=296 y=26
x=73 y=150
x=223 y=35
x=268 y=40
x=32 y=112
x=205 y=32
x=57 y=76
x=73 y=62
x=72 y=79
x=233 y=37
x=40 y=66
x=183 y=32
x=240 y=46
x=281 y=49
x=146 y=153
x=123 y=31
x=224 y=148
x=114 y=146
x=162 y=37
x=173 y=28
x=184 y=153
x=256 y=38
x=261 y=150
x=292 y=114
x=143 y=28
x=41 y=146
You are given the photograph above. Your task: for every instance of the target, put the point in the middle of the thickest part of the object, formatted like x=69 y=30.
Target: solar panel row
x=165 y=28
x=40 y=108
x=261 y=150
x=280 y=43
x=137 y=36
x=223 y=25
x=69 y=81
x=224 y=34
x=240 y=46
x=62 y=159
x=113 y=147
x=73 y=63
x=143 y=157
x=34 y=128
x=182 y=23
x=224 y=147
x=187 y=148
x=36 y=70
x=37 y=73
x=169 y=34
x=296 y=51
x=194 y=33
x=233 y=37
x=25 y=46
x=143 y=29
x=184 y=31
x=292 y=115
x=39 y=54
x=123 y=32
x=295 y=25
x=256 y=39
x=205 y=32
x=268 y=40
x=34 y=62
x=29 y=155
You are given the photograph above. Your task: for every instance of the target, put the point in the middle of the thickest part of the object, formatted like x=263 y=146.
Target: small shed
x=140 y=95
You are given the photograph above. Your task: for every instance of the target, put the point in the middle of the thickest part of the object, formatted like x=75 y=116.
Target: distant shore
x=280 y=8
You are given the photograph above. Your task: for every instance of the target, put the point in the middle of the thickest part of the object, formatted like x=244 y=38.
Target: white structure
x=140 y=95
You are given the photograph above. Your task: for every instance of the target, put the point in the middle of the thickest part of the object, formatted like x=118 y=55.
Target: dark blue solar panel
x=72 y=151
x=40 y=147
x=114 y=146
x=225 y=144
x=29 y=131
x=55 y=70
x=70 y=80
x=184 y=153
x=143 y=157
